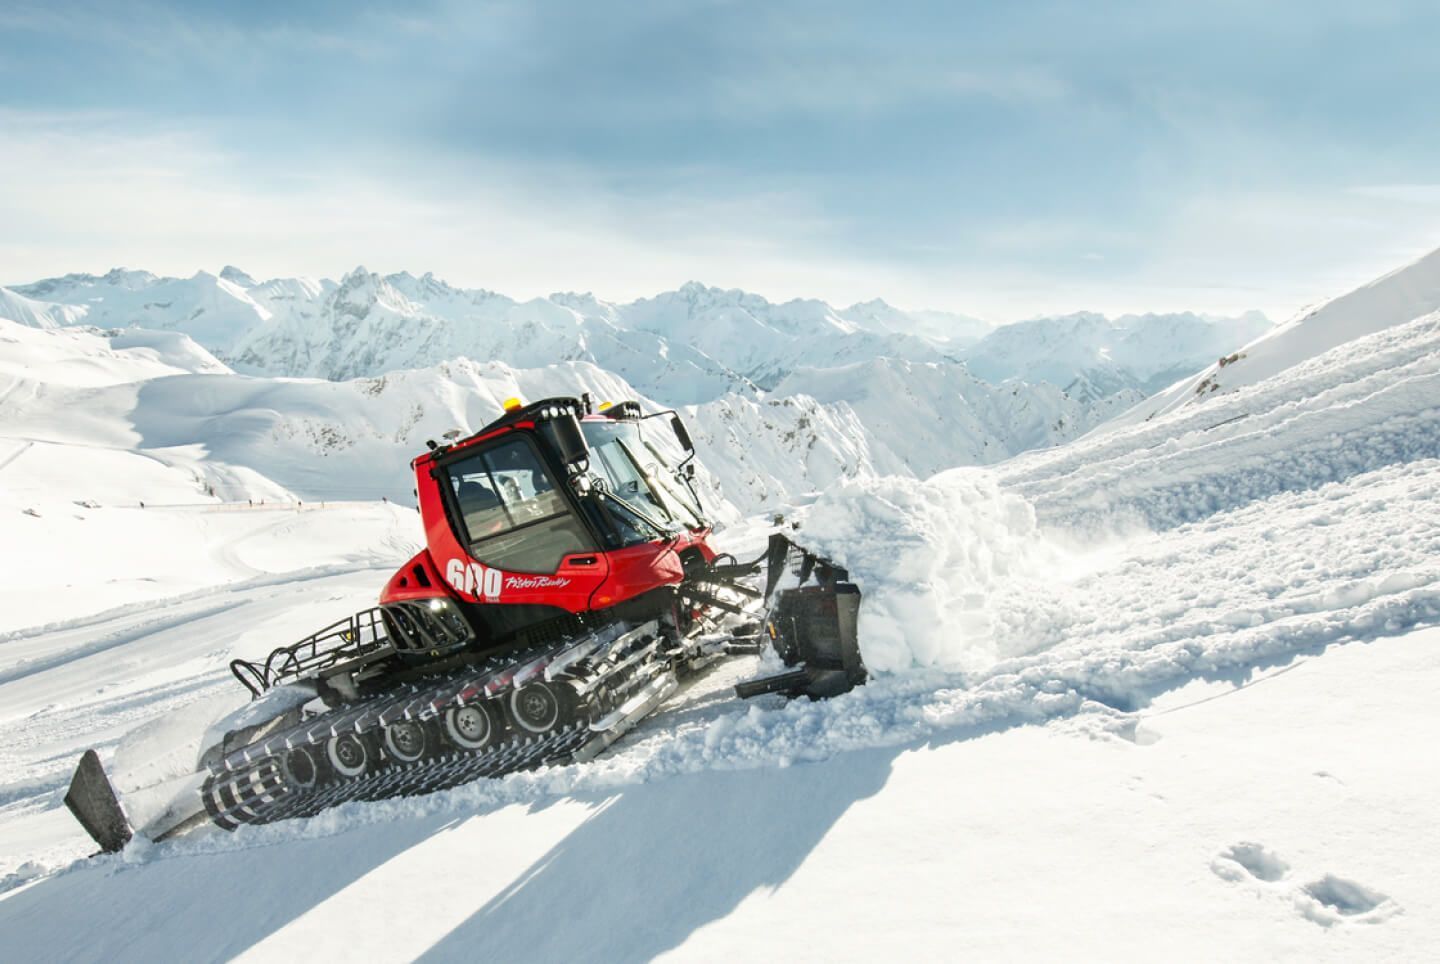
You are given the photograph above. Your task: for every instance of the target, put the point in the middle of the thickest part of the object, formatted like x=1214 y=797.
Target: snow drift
x=929 y=557
x=947 y=563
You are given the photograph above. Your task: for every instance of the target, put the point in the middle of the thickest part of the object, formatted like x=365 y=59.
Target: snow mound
x=38 y=314
x=928 y=557
x=82 y=356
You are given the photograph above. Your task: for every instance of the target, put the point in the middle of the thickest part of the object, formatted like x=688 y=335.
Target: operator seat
x=478 y=503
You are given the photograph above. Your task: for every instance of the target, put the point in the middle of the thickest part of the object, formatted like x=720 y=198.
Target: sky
x=1004 y=160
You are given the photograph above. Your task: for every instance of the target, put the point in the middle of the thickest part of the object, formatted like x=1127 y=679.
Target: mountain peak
x=874 y=304
x=362 y=289
x=235 y=276
x=126 y=278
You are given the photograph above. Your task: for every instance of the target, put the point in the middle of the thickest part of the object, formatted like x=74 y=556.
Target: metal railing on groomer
x=360 y=636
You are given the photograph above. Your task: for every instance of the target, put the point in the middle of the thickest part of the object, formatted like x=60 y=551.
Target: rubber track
x=249 y=785
x=259 y=796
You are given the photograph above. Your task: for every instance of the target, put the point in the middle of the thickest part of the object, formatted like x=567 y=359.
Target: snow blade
x=814 y=629
x=92 y=800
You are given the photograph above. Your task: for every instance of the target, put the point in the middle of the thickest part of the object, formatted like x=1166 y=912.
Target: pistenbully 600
x=566 y=587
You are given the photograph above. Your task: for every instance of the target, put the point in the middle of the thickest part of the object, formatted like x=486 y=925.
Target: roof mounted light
x=512 y=404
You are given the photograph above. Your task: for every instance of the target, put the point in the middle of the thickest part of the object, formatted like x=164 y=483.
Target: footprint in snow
x=1328 y=901
x=1332 y=900
x=1250 y=860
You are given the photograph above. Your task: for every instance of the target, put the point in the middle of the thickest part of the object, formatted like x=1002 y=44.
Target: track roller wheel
x=348 y=754
x=469 y=727
x=406 y=740
x=299 y=768
x=537 y=707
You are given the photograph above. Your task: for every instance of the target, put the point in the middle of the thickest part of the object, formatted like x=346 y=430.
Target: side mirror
x=570 y=441
x=682 y=434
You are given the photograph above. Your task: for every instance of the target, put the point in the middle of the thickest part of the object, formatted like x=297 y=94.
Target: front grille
x=433 y=627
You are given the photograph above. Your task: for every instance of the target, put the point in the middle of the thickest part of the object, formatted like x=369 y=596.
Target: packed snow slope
x=1397 y=297
x=1159 y=691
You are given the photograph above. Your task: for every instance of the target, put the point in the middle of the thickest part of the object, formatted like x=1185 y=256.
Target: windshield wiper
x=621 y=503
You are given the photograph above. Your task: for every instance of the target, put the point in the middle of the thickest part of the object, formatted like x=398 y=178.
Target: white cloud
x=1406 y=193
x=1290 y=250
x=92 y=191
x=861 y=86
x=87 y=193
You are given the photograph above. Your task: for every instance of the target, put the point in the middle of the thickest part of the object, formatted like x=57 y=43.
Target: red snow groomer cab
x=552 y=518
x=566 y=588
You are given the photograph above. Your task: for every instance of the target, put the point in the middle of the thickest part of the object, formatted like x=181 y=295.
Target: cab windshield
x=636 y=473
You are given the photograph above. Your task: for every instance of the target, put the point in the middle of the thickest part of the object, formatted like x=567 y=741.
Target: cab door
x=511 y=535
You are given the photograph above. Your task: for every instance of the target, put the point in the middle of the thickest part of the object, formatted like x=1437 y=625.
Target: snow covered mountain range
x=680 y=347
x=784 y=398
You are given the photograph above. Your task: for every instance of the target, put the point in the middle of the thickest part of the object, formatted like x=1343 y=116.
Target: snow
x=930 y=555
x=1163 y=691
x=932 y=416
x=1142 y=352
x=723 y=354
x=1370 y=403
x=161 y=394
x=213 y=311
x=954 y=329
x=1055 y=842
x=79 y=560
x=1398 y=297
x=91 y=357
x=38 y=314
x=939 y=553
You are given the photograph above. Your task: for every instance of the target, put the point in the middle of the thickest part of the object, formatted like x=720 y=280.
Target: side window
x=515 y=517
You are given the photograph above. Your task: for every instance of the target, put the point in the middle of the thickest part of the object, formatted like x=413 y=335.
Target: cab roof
x=528 y=415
